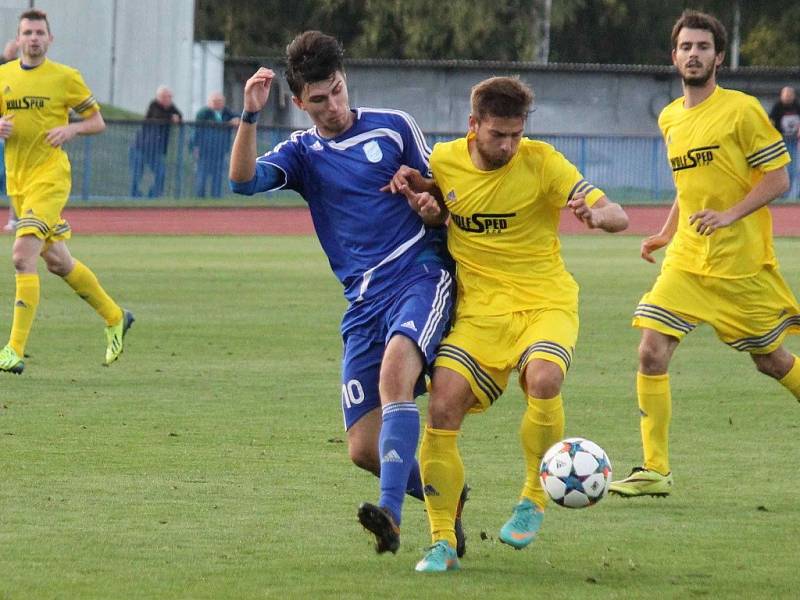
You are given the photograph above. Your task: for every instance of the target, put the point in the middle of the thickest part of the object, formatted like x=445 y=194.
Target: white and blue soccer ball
x=575 y=472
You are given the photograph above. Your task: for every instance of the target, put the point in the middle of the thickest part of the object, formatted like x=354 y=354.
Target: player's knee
x=364 y=458
x=545 y=386
x=57 y=266
x=23 y=262
x=770 y=365
x=20 y=263
x=445 y=412
x=543 y=379
x=653 y=359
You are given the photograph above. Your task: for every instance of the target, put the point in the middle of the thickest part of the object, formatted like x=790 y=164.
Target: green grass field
x=210 y=463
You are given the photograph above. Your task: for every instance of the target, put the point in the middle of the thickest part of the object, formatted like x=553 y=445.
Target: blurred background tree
x=594 y=31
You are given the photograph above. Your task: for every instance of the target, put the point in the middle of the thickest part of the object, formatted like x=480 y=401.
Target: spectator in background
x=9 y=54
x=211 y=142
x=785 y=116
x=150 y=145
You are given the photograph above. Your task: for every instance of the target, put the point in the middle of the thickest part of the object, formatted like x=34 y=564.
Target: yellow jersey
x=718 y=151
x=503 y=227
x=40 y=99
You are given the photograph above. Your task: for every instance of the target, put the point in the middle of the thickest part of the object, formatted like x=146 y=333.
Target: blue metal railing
x=191 y=160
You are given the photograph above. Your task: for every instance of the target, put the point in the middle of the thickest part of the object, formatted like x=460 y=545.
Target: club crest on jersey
x=451 y=196
x=373 y=152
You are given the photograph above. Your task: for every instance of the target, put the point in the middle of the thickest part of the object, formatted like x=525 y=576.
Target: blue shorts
x=420 y=311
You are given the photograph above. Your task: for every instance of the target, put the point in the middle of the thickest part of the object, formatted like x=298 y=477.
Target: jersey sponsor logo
x=694 y=157
x=26 y=102
x=373 y=152
x=492 y=223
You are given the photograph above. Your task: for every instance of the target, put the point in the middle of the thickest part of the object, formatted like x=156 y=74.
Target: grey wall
x=577 y=99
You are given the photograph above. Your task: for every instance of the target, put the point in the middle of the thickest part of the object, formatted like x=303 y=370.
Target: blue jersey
x=372 y=238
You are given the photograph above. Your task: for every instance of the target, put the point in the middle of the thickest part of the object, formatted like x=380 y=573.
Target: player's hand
x=583 y=212
x=708 y=221
x=60 y=135
x=6 y=125
x=651 y=244
x=256 y=89
x=424 y=204
x=405 y=176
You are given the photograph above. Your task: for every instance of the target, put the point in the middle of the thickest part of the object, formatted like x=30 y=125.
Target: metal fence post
x=87 y=167
x=582 y=159
x=654 y=179
x=179 y=162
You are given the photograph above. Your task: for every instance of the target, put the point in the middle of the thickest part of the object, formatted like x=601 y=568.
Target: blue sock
x=397 y=445
x=414 y=486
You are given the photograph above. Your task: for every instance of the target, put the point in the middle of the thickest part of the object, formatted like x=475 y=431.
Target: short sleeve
x=286 y=157
x=565 y=181
x=79 y=96
x=763 y=145
x=416 y=153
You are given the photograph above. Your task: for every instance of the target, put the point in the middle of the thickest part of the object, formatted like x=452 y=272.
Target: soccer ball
x=575 y=472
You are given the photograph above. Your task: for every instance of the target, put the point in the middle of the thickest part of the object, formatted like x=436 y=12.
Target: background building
x=125 y=48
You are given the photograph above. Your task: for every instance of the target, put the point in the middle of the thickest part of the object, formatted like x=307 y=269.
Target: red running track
x=644 y=220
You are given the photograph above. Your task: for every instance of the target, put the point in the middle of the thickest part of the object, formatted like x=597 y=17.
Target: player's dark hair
x=692 y=19
x=312 y=56
x=36 y=15
x=505 y=97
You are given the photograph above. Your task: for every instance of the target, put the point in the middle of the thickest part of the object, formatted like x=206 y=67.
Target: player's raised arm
x=603 y=214
x=244 y=151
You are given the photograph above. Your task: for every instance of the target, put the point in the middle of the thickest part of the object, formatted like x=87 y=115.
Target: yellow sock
x=25 y=304
x=655 y=406
x=542 y=426
x=791 y=381
x=443 y=476
x=83 y=281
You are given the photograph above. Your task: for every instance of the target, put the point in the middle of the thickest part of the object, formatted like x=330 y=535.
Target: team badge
x=373 y=152
x=451 y=196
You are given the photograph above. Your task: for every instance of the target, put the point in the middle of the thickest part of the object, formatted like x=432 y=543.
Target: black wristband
x=250 y=117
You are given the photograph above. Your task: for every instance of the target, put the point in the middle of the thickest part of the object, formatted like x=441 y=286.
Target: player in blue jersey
x=393 y=267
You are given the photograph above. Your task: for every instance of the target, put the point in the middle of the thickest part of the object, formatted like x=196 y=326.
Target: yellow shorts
x=751 y=314
x=484 y=350
x=39 y=210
